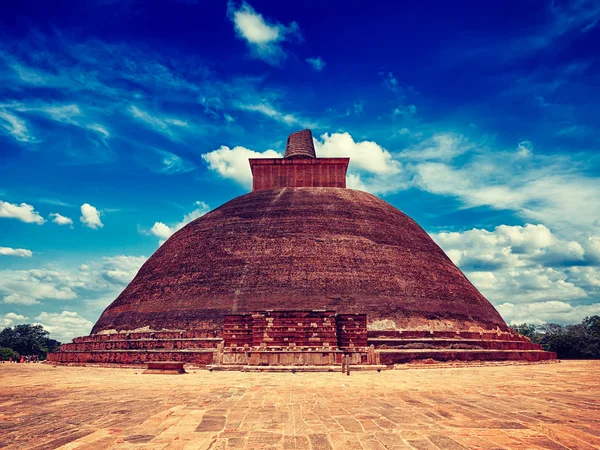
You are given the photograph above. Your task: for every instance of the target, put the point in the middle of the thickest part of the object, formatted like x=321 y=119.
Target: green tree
x=527 y=330
x=578 y=341
x=6 y=353
x=28 y=340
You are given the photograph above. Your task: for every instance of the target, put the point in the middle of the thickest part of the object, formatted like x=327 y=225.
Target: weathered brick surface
x=391 y=357
x=300 y=145
x=433 y=334
x=301 y=248
x=295 y=329
x=124 y=357
x=306 y=172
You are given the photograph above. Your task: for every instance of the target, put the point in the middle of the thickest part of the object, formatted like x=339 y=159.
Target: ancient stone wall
x=280 y=173
x=295 y=330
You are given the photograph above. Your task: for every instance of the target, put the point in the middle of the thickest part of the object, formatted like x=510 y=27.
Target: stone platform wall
x=281 y=173
x=298 y=338
x=295 y=329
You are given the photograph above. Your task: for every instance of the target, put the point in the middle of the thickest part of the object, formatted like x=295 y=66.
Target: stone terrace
x=547 y=406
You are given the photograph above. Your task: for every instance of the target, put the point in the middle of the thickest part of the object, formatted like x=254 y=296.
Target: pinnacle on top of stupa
x=300 y=145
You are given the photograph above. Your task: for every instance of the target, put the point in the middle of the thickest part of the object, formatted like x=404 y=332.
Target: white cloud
x=404 y=111
x=510 y=246
x=10 y=319
x=164 y=125
x=527 y=271
x=164 y=231
x=28 y=287
x=69 y=114
x=99 y=129
x=23 y=212
x=544 y=312
x=201 y=209
x=264 y=38
x=121 y=269
x=232 y=163
x=61 y=220
x=317 y=63
x=90 y=216
x=104 y=278
x=15 y=126
x=547 y=189
x=525 y=149
x=441 y=147
x=367 y=156
x=161 y=230
x=24 y=253
x=64 y=326
x=265 y=108
x=172 y=164
x=64 y=113
x=372 y=168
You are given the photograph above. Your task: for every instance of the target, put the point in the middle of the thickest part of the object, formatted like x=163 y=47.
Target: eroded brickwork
x=295 y=329
x=300 y=145
x=281 y=173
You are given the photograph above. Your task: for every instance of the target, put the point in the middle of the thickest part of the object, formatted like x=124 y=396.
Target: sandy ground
x=551 y=406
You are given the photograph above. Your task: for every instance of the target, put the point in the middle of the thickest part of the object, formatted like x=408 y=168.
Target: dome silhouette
x=301 y=272
x=301 y=248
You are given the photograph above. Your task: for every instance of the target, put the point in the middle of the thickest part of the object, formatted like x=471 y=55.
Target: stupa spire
x=300 y=145
x=299 y=167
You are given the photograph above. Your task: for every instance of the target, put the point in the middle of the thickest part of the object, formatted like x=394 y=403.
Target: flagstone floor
x=553 y=406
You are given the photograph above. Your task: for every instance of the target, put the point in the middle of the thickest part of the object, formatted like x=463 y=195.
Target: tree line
x=578 y=341
x=26 y=340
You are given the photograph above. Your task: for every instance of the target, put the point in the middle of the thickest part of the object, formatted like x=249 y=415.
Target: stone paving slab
x=550 y=406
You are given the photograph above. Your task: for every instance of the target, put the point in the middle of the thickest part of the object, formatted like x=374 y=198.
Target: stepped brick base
x=139 y=348
x=400 y=347
x=295 y=339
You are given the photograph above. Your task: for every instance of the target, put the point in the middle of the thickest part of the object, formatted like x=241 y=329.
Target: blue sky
x=120 y=121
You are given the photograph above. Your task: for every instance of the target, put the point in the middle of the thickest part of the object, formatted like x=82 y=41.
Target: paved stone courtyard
x=549 y=406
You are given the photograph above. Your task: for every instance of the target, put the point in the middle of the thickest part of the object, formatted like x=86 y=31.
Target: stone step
x=200 y=357
x=410 y=334
x=293 y=369
x=194 y=334
x=142 y=344
x=398 y=356
x=457 y=344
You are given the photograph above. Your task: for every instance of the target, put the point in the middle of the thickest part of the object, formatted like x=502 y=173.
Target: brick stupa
x=300 y=272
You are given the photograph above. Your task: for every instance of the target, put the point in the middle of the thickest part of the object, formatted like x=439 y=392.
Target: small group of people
x=24 y=359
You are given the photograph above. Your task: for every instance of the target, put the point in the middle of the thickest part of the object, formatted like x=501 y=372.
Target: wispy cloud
x=14 y=126
x=317 y=63
x=269 y=110
x=163 y=125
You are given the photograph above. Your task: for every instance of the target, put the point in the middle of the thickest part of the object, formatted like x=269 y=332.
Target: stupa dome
x=301 y=248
